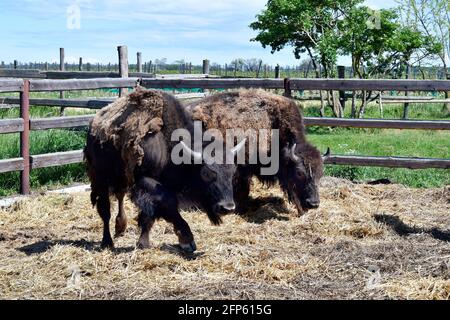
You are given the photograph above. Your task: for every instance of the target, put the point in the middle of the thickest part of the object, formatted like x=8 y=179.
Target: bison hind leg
x=121 y=218
x=104 y=209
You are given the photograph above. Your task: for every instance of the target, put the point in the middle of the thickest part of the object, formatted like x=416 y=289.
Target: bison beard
x=301 y=164
x=128 y=150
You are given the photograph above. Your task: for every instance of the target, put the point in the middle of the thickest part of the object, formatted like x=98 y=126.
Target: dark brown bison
x=300 y=163
x=129 y=150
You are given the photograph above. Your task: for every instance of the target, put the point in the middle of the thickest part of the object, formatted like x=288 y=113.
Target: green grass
x=416 y=143
x=386 y=142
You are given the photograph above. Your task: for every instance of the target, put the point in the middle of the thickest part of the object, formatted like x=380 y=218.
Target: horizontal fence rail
x=60 y=122
x=27 y=162
x=56 y=159
x=11 y=85
x=390 y=162
x=8 y=165
x=378 y=123
x=83 y=84
x=11 y=125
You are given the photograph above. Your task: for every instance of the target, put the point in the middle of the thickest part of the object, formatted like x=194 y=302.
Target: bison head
x=214 y=182
x=301 y=172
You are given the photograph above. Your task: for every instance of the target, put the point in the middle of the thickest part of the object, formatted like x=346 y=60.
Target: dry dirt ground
x=365 y=242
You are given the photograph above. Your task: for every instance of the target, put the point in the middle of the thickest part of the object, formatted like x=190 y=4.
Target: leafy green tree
x=380 y=46
x=309 y=26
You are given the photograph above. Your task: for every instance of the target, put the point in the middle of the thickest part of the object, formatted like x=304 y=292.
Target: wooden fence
x=24 y=124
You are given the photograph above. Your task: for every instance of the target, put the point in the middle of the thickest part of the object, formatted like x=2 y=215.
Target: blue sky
x=33 y=30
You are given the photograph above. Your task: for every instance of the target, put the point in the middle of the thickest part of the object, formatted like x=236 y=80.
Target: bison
x=128 y=150
x=300 y=163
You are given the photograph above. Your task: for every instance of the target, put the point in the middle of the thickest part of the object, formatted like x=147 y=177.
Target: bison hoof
x=107 y=245
x=143 y=244
x=189 y=247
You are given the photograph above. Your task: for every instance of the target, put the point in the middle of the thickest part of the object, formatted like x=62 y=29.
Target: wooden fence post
x=406 y=105
x=80 y=64
x=123 y=67
x=15 y=64
x=139 y=61
x=205 y=66
x=341 y=75
x=62 y=67
x=447 y=95
x=287 y=88
x=25 y=137
x=277 y=71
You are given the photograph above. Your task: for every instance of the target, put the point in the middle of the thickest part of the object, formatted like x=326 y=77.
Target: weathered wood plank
x=369 y=84
x=61 y=122
x=80 y=74
x=21 y=73
x=11 y=125
x=11 y=85
x=378 y=123
x=407 y=100
x=8 y=165
x=56 y=159
x=215 y=83
x=82 y=84
x=390 y=162
x=77 y=103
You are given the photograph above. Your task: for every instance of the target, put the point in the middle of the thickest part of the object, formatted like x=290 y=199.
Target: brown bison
x=129 y=150
x=300 y=163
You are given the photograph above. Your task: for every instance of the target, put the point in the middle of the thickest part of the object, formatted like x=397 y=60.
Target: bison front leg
x=241 y=192
x=155 y=201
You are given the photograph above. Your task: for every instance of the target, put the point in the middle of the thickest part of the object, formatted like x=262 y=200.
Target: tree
x=431 y=17
x=379 y=45
x=309 y=26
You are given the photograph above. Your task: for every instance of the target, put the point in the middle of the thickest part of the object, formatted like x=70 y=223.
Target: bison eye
x=207 y=174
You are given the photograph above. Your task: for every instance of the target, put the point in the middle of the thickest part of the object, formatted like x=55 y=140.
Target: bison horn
x=194 y=154
x=238 y=147
x=292 y=153
x=327 y=154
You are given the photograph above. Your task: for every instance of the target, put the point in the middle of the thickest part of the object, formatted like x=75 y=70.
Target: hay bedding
x=365 y=241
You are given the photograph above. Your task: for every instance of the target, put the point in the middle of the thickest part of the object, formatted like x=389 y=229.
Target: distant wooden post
x=139 y=61
x=123 y=66
x=277 y=71
x=341 y=75
x=406 y=105
x=15 y=64
x=80 y=64
x=25 y=138
x=447 y=95
x=3 y=64
x=265 y=71
x=226 y=70
x=259 y=68
x=287 y=88
x=62 y=67
x=46 y=66
x=190 y=67
x=149 y=66
x=205 y=66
